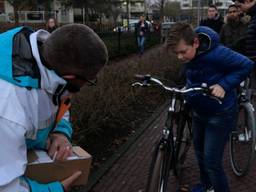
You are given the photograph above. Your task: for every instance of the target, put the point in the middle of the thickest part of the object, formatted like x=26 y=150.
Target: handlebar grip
x=142 y=77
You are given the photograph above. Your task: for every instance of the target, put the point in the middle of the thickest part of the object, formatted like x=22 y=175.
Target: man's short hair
x=180 y=31
x=213 y=6
x=232 y=6
x=74 y=49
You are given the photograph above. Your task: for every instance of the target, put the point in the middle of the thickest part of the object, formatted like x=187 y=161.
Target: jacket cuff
x=65 y=128
x=224 y=85
x=36 y=187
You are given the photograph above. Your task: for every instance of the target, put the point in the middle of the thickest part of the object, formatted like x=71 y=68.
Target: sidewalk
x=130 y=172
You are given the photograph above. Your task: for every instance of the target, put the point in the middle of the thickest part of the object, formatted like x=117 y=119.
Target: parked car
x=165 y=27
x=120 y=28
x=132 y=26
x=133 y=23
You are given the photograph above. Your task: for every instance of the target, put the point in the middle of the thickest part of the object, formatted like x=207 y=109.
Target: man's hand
x=246 y=5
x=67 y=183
x=217 y=91
x=59 y=147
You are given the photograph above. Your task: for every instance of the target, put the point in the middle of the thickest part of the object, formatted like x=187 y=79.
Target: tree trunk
x=16 y=15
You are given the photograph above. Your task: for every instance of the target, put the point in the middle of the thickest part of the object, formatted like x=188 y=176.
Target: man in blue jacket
x=222 y=70
x=38 y=72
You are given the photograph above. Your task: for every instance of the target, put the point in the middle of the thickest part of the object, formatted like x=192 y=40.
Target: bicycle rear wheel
x=160 y=168
x=242 y=140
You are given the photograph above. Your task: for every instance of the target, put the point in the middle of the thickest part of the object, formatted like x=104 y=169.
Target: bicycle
x=243 y=138
x=170 y=151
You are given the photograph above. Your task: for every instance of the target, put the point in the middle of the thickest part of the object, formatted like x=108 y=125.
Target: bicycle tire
x=182 y=145
x=242 y=140
x=159 y=168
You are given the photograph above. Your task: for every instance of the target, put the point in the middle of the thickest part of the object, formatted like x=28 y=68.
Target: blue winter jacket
x=215 y=64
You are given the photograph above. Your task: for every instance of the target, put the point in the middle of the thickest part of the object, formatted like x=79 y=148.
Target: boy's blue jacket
x=215 y=64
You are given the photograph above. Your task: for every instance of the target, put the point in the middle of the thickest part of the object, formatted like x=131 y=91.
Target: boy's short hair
x=180 y=31
x=74 y=49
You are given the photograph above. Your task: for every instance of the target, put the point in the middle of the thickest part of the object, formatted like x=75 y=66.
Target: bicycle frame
x=177 y=112
x=170 y=151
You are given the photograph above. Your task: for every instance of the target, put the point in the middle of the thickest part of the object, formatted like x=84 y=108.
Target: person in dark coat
x=233 y=30
x=213 y=20
x=249 y=47
x=249 y=6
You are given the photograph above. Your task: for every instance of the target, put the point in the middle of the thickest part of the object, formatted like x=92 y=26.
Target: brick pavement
x=129 y=173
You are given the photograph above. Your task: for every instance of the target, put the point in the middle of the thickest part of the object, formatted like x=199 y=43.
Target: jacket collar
x=49 y=79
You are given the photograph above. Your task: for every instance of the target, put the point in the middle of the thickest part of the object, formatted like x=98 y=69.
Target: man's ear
x=196 y=43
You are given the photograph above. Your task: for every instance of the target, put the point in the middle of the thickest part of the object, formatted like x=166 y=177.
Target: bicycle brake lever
x=216 y=98
x=140 y=84
x=207 y=91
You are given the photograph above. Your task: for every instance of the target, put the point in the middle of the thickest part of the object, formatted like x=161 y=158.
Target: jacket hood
x=208 y=38
x=49 y=79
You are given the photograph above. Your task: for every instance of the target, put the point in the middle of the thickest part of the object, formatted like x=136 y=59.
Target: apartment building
x=39 y=15
x=188 y=4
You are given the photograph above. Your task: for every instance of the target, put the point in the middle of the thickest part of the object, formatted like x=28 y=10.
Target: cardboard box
x=42 y=169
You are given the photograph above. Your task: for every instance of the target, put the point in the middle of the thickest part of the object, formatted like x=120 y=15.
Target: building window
x=185 y=5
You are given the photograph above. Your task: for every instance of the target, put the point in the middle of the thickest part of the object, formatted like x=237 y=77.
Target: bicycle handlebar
x=146 y=79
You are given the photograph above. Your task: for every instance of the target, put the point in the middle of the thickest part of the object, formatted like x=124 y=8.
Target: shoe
x=210 y=190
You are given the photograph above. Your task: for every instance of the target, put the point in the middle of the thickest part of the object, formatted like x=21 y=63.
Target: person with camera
x=249 y=47
x=249 y=6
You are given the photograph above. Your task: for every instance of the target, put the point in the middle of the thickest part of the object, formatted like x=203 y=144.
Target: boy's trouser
x=210 y=134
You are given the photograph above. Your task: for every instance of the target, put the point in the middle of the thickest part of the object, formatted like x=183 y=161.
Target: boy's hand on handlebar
x=217 y=91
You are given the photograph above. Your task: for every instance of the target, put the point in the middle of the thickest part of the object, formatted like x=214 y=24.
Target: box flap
x=80 y=152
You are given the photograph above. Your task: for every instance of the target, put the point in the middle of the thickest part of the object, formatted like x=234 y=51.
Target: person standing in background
x=213 y=20
x=141 y=31
x=51 y=25
x=233 y=30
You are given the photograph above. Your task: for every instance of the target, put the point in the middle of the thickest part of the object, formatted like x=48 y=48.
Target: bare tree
x=161 y=5
x=114 y=9
x=172 y=9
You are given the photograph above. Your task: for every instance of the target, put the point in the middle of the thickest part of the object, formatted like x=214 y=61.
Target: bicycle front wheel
x=242 y=140
x=159 y=169
x=182 y=145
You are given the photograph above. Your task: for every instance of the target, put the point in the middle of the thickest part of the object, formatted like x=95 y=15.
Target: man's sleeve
x=64 y=126
x=37 y=187
x=13 y=151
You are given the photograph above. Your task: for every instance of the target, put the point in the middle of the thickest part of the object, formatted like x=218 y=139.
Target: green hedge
x=128 y=43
